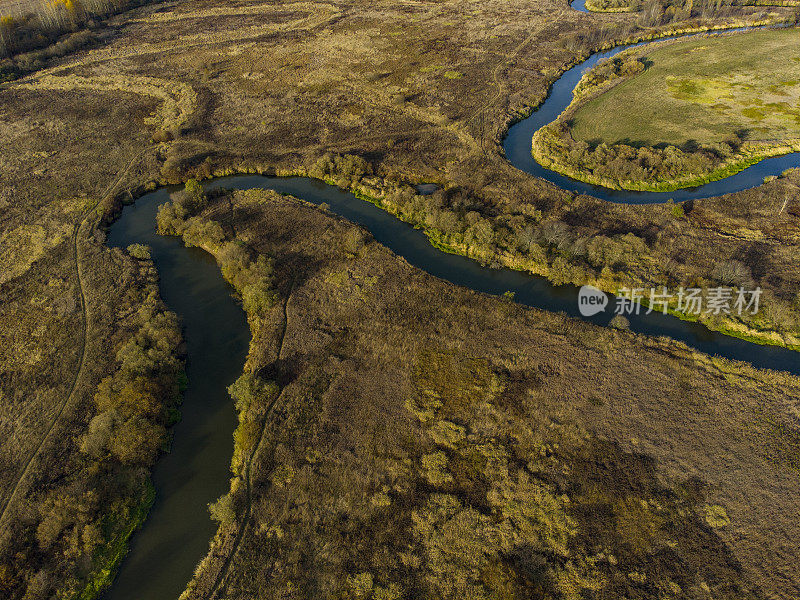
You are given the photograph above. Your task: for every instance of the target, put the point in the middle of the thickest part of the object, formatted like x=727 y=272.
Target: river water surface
x=163 y=554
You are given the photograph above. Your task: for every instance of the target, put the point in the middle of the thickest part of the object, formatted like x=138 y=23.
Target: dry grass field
x=432 y=442
x=421 y=90
x=15 y=7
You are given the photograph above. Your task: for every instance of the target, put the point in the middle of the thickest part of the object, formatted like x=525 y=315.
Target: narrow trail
x=10 y=497
x=496 y=72
x=248 y=486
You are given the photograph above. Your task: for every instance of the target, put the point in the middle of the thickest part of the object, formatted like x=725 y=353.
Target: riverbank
x=226 y=231
x=612 y=6
x=391 y=197
x=551 y=149
x=365 y=336
x=726 y=325
x=620 y=166
x=323 y=66
x=216 y=336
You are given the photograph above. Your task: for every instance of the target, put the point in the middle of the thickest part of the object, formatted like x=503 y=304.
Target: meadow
x=680 y=113
x=703 y=91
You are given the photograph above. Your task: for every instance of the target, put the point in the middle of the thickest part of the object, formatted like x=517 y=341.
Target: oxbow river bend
x=517 y=144
x=175 y=537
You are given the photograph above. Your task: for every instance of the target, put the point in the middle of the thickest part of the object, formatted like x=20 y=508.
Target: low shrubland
x=447 y=448
x=386 y=98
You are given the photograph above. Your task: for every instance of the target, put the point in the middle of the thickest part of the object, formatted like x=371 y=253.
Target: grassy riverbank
x=553 y=148
x=421 y=91
x=113 y=552
x=624 y=6
x=707 y=109
x=484 y=240
x=393 y=414
x=725 y=324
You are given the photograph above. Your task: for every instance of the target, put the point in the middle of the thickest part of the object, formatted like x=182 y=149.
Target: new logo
x=591 y=301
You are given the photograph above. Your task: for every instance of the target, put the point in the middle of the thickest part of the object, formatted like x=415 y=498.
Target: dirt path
x=496 y=72
x=11 y=495
x=248 y=510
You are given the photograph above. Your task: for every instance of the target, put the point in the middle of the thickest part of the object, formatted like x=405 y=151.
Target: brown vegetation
x=34 y=25
x=66 y=519
x=419 y=91
x=426 y=441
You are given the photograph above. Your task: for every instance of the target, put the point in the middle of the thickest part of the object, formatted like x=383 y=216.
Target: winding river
x=196 y=471
x=517 y=144
x=175 y=537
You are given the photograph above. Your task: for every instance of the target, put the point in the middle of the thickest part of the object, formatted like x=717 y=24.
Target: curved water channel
x=164 y=553
x=517 y=143
x=175 y=537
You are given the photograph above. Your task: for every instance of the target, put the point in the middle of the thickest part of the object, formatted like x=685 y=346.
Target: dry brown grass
x=17 y=7
x=372 y=345
x=421 y=89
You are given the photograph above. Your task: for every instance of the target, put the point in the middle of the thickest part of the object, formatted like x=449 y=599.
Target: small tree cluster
x=51 y=20
x=252 y=277
x=133 y=403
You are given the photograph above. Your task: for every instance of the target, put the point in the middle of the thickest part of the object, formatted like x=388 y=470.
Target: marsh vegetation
x=381 y=96
x=388 y=404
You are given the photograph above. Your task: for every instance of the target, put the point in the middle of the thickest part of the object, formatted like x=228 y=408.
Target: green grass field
x=704 y=90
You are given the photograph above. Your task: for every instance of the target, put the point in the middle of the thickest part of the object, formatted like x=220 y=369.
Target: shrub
x=480 y=235
x=222 y=510
x=139 y=251
x=732 y=272
x=168 y=220
x=603 y=251
x=191 y=200
x=250 y=390
x=344 y=170
x=716 y=516
x=435 y=468
x=136 y=441
x=202 y=233
x=95 y=442
x=619 y=322
x=624 y=65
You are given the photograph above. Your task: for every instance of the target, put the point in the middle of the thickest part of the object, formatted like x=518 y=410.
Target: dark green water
x=175 y=537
